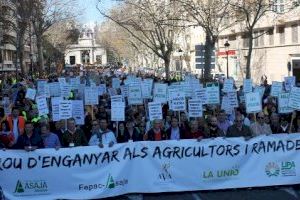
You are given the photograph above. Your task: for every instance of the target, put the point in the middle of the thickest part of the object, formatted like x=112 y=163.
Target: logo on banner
x=221 y=174
x=31 y=186
x=287 y=168
x=111 y=183
x=164 y=173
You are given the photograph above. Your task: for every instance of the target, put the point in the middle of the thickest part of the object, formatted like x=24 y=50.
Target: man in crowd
x=50 y=139
x=104 y=136
x=174 y=132
x=260 y=127
x=223 y=122
x=30 y=140
x=156 y=133
x=73 y=136
x=238 y=129
x=16 y=124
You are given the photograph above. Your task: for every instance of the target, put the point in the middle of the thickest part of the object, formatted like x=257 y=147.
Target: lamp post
x=227 y=45
x=180 y=57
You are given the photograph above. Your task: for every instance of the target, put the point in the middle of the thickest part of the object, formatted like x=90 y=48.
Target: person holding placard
x=105 y=136
x=260 y=127
x=73 y=136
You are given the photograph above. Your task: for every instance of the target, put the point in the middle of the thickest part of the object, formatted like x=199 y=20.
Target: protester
x=50 y=139
x=194 y=132
x=73 y=136
x=104 y=136
x=174 y=132
x=223 y=122
x=213 y=129
x=16 y=124
x=260 y=127
x=238 y=129
x=6 y=136
x=29 y=140
x=156 y=133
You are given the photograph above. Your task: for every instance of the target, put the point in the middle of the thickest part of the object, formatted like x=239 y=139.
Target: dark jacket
x=125 y=137
x=34 y=140
x=168 y=132
x=151 y=135
x=78 y=138
x=233 y=131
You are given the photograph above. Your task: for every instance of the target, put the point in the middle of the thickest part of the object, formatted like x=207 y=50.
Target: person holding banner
x=50 y=139
x=156 y=133
x=174 y=132
x=16 y=124
x=238 y=129
x=73 y=136
x=213 y=129
x=223 y=122
x=30 y=140
x=194 y=132
x=131 y=133
x=104 y=137
x=260 y=127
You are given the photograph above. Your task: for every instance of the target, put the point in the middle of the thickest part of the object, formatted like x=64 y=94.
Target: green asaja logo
x=31 y=186
x=272 y=169
x=19 y=187
x=111 y=183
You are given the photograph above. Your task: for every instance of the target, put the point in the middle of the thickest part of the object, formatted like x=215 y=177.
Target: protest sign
x=93 y=173
x=260 y=90
x=62 y=80
x=294 y=99
x=65 y=109
x=283 y=103
x=65 y=90
x=116 y=98
x=228 y=85
x=75 y=83
x=112 y=91
x=187 y=88
x=78 y=112
x=55 y=108
x=233 y=101
x=124 y=90
x=213 y=94
x=253 y=102
x=90 y=96
x=54 y=89
x=101 y=89
x=160 y=93
x=200 y=94
x=225 y=105
x=247 y=85
x=147 y=88
x=289 y=82
x=195 y=108
x=135 y=95
x=43 y=88
x=177 y=100
x=276 y=88
x=42 y=105
x=155 y=111
x=30 y=94
x=116 y=83
x=117 y=111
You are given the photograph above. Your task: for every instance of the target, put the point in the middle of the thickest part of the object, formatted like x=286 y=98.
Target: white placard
x=65 y=90
x=228 y=85
x=147 y=85
x=195 y=108
x=42 y=105
x=62 y=80
x=260 y=90
x=213 y=95
x=30 y=94
x=78 y=112
x=124 y=90
x=43 y=88
x=135 y=95
x=233 y=101
x=200 y=93
x=91 y=96
x=253 y=102
x=75 y=83
x=155 y=111
x=276 y=88
x=116 y=98
x=101 y=89
x=55 y=108
x=116 y=83
x=283 y=103
x=225 y=105
x=65 y=109
x=247 y=85
x=294 y=99
x=112 y=91
x=160 y=93
x=117 y=111
x=178 y=101
x=54 y=89
x=289 y=82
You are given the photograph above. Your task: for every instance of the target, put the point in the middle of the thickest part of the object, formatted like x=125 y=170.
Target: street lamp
x=180 y=51
x=227 y=45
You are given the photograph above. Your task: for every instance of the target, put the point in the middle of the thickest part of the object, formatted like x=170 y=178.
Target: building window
x=245 y=41
x=294 y=33
x=99 y=59
x=261 y=38
x=72 y=60
x=281 y=35
x=255 y=36
x=270 y=33
x=278 y=6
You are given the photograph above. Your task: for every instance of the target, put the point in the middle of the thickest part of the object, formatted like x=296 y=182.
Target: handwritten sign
x=160 y=93
x=195 y=108
x=253 y=102
x=90 y=96
x=155 y=111
x=135 y=95
x=30 y=94
x=65 y=109
x=294 y=99
x=213 y=94
x=289 y=82
x=55 y=108
x=116 y=98
x=178 y=101
x=78 y=111
x=283 y=103
x=276 y=88
x=228 y=85
x=247 y=86
x=117 y=111
x=42 y=105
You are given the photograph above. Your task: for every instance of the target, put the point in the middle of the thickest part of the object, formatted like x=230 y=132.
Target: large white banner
x=168 y=166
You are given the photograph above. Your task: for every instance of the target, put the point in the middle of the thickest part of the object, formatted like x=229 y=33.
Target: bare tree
x=250 y=13
x=151 y=23
x=212 y=16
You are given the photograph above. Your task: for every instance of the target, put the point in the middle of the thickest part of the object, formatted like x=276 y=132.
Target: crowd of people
x=23 y=128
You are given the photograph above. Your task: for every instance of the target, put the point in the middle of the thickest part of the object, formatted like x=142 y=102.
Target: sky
x=90 y=12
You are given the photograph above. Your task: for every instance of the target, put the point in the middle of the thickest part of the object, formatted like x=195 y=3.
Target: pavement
x=271 y=193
